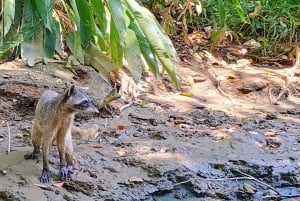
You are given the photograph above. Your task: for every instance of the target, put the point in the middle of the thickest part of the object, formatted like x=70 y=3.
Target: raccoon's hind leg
x=36 y=139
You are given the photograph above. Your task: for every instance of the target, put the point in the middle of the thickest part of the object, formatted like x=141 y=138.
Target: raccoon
x=53 y=119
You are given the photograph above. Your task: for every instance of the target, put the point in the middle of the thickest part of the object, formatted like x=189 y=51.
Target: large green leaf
x=133 y=55
x=94 y=57
x=99 y=11
x=144 y=47
x=160 y=43
x=100 y=39
x=45 y=10
x=117 y=13
x=116 y=48
x=32 y=48
x=86 y=22
x=7 y=16
x=74 y=44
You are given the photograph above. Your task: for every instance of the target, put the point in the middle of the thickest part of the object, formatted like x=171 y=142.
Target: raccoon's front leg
x=69 y=152
x=61 y=142
x=44 y=178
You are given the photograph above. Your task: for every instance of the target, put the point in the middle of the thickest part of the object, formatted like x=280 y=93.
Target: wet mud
x=164 y=147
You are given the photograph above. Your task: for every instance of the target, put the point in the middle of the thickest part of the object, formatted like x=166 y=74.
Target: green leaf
x=145 y=47
x=100 y=39
x=116 y=48
x=159 y=42
x=86 y=23
x=222 y=14
x=8 y=16
x=45 y=11
x=117 y=13
x=74 y=44
x=133 y=55
x=94 y=57
x=50 y=39
x=239 y=10
x=32 y=51
x=100 y=13
x=32 y=48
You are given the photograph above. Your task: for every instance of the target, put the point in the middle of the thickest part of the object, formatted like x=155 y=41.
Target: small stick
x=126 y=106
x=261 y=182
x=217 y=179
x=8 y=148
x=269 y=186
x=106 y=123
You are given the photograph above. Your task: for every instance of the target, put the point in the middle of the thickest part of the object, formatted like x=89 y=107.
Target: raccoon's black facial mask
x=83 y=105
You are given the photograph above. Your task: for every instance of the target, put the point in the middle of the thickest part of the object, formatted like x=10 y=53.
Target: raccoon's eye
x=84 y=103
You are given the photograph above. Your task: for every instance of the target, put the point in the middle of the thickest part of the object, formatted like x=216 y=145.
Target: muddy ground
x=227 y=141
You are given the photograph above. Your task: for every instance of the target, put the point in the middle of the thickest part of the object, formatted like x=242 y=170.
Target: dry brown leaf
x=249 y=189
x=231 y=76
x=121 y=127
x=6 y=75
x=43 y=186
x=96 y=146
x=220 y=137
x=135 y=179
x=122 y=152
x=270 y=134
x=59 y=185
x=188 y=94
x=256 y=12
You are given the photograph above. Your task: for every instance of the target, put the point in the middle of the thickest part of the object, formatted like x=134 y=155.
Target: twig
x=126 y=106
x=267 y=185
x=217 y=179
x=261 y=182
x=247 y=177
x=8 y=148
x=106 y=123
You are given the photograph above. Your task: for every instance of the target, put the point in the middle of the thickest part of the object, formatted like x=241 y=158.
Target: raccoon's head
x=76 y=99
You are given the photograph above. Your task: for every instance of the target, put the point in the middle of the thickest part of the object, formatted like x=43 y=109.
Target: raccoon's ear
x=69 y=92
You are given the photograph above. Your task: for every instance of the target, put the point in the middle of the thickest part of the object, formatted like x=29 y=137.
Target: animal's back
x=45 y=107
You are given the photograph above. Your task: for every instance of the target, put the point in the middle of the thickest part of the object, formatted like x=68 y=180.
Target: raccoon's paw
x=32 y=156
x=63 y=173
x=70 y=170
x=44 y=178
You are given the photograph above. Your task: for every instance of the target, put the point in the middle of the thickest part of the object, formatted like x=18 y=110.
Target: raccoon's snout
x=87 y=106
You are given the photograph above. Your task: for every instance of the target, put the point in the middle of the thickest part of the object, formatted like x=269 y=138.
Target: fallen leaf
x=60 y=184
x=20 y=135
x=231 y=76
x=43 y=186
x=188 y=94
x=259 y=145
x=253 y=132
x=96 y=145
x=6 y=76
x=135 y=179
x=249 y=189
x=270 y=134
x=256 y=12
x=221 y=137
x=122 y=152
x=120 y=127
